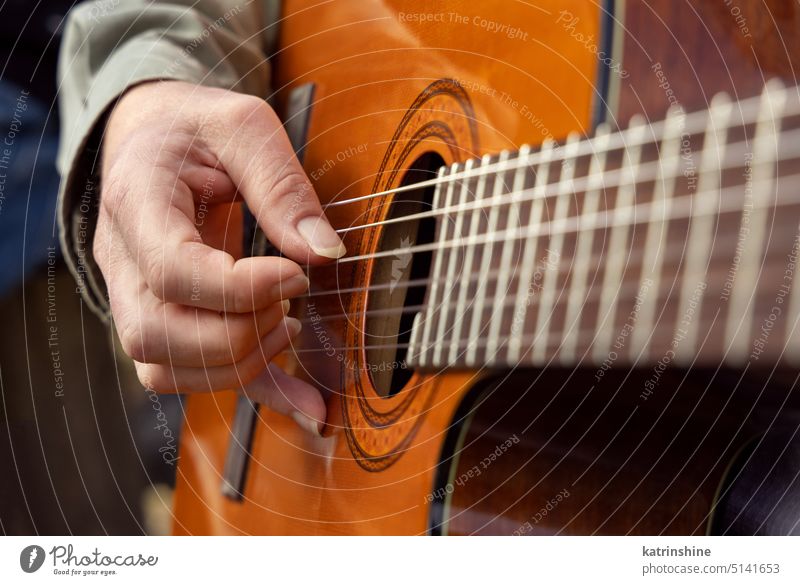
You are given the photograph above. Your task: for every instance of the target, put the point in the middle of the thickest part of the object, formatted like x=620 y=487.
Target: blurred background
x=79 y=436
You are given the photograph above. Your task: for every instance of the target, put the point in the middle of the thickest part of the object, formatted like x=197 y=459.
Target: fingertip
x=293 y=326
x=321 y=237
x=258 y=269
x=306 y=423
x=290 y=287
x=287 y=268
x=265 y=281
x=288 y=395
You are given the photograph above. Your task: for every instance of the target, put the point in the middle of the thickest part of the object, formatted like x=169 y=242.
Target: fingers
x=176 y=335
x=289 y=396
x=157 y=207
x=178 y=267
x=259 y=158
x=164 y=378
x=193 y=315
x=152 y=331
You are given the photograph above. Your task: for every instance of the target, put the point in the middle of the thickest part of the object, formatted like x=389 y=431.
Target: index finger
x=179 y=267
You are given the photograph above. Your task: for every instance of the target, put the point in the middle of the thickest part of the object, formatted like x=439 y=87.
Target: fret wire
x=528 y=340
x=624 y=207
x=591 y=295
x=461 y=344
x=702 y=222
x=764 y=155
x=469 y=258
x=555 y=247
x=768 y=140
x=792 y=324
x=695 y=122
x=614 y=178
x=656 y=241
x=701 y=228
x=413 y=342
x=571 y=226
x=529 y=251
x=486 y=257
x=437 y=265
x=583 y=247
x=503 y=282
x=452 y=257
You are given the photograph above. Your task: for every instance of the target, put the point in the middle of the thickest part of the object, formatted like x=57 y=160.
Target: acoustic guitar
x=570 y=302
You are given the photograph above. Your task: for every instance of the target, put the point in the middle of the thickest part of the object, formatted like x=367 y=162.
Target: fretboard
x=673 y=242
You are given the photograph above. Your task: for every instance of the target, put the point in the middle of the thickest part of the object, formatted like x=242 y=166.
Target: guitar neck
x=673 y=242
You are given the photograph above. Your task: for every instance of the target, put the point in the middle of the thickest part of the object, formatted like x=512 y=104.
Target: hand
x=178 y=160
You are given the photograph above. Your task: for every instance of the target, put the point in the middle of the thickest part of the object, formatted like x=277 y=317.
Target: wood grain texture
x=370 y=61
x=704 y=48
x=395 y=80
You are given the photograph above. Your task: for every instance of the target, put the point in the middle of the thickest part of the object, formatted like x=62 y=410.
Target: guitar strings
x=645 y=172
x=468 y=341
x=722 y=242
x=464 y=342
x=697 y=121
x=506 y=302
x=573 y=224
x=692 y=123
x=505 y=201
x=569 y=225
x=451 y=174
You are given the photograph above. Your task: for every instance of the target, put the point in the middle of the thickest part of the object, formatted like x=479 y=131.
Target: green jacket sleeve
x=111 y=45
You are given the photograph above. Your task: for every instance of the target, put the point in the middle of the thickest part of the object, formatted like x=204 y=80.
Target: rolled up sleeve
x=112 y=45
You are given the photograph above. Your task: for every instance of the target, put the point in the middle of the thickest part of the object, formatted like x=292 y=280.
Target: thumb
x=257 y=155
x=289 y=396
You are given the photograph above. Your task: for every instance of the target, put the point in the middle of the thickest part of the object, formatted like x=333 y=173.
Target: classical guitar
x=569 y=303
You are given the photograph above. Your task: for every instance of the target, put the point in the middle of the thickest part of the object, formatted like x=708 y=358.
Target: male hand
x=178 y=159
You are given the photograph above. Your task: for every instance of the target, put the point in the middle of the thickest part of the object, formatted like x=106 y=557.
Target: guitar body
x=399 y=89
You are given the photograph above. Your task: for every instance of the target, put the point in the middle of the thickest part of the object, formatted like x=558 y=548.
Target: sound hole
x=399 y=280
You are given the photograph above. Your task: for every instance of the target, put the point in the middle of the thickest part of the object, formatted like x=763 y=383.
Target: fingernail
x=321 y=237
x=285 y=306
x=291 y=287
x=306 y=423
x=293 y=325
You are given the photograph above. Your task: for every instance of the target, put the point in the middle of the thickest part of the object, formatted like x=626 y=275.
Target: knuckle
x=132 y=344
x=156 y=273
x=153 y=378
x=136 y=341
x=289 y=183
x=122 y=172
x=248 y=109
x=289 y=190
x=115 y=189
